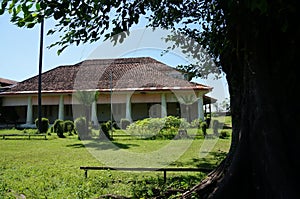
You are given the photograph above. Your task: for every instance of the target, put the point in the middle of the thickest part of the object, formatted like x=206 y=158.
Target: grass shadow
x=176 y=184
x=104 y=145
x=77 y=145
x=211 y=161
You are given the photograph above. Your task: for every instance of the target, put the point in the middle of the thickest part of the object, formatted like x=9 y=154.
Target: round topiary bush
x=224 y=134
x=44 y=125
x=104 y=130
x=82 y=128
x=58 y=128
x=124 y=123
x=69 y=127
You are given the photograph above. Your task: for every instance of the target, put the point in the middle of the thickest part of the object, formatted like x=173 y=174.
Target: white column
x=200 y=107
x=61 y=108
x=29 y=110
x=94 y=117
x=128 y=107
x=163 y=105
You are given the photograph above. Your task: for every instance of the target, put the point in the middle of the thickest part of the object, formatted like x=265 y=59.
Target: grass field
x=50 y=168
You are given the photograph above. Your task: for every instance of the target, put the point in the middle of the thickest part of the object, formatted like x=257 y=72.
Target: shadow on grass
x=76 y=145
x=103 y=145
x=155 y=186
x=175 y=185
x=210 y=162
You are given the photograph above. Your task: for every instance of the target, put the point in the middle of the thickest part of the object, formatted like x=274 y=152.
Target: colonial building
x=132 y=88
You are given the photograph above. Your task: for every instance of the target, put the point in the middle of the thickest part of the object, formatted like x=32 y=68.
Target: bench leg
x=85 y=173
x=165 y=176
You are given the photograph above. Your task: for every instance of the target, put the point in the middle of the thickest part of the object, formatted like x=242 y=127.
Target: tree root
x=208 y=185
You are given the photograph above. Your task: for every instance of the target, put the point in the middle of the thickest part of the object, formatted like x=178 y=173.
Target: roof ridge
x=124 y=60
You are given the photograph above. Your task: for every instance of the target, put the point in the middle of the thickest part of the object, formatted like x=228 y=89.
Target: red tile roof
x=142 y=73
x=6 y=82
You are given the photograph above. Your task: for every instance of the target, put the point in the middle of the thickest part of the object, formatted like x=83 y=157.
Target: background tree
x=254 y=42
x=86 y=98
x=223 y=106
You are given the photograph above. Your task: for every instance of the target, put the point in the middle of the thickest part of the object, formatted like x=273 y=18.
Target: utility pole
x=40 y=76
x=111 y=108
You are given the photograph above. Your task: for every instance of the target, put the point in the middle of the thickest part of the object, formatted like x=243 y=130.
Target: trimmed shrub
x=51 y=129
x=105 y=129
x=203 y=126
x=172 y=122
x=196 y=123
x=184 y=124
x=82 y=128
x=44 y=125
x=146 y=128
x=224 y=134
x=124 y=123
x=69 y=127
x=207 y=120
x=182 y=133
x=153 y=128
x=58 y=128
x=216 y=127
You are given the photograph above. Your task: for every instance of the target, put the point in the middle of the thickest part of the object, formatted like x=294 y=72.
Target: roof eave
x=177 y=88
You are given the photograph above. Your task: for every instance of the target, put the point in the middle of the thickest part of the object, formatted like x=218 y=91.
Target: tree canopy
x=207 y=22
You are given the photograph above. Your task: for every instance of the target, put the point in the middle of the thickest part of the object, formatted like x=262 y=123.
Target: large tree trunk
x=263 y=161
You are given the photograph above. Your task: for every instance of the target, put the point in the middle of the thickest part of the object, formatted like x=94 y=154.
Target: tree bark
x=263 y=161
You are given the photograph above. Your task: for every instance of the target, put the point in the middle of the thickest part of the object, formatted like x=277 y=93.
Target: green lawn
x=50 y=168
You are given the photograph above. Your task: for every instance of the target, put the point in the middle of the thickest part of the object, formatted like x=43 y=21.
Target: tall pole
x=40 y=76
x=111 y=108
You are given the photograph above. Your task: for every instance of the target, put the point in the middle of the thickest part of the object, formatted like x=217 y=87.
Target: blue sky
x=19 y=49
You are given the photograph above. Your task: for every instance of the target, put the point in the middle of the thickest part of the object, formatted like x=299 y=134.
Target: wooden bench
x=4 y=136
x=175 y=169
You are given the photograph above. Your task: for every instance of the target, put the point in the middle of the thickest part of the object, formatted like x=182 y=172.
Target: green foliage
x=154 y=128
x=196 y=123
x=203 y=126
x=88 y=21
x=211 y=24
x=154 y=187
x=81 y=127
x=208 y=120
x=105 y=130
x=124 y=123
x=146 y=128
x=58 y=128
x=69 y=127
x=44 y=125
x=224 y=134
x=172 y=122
